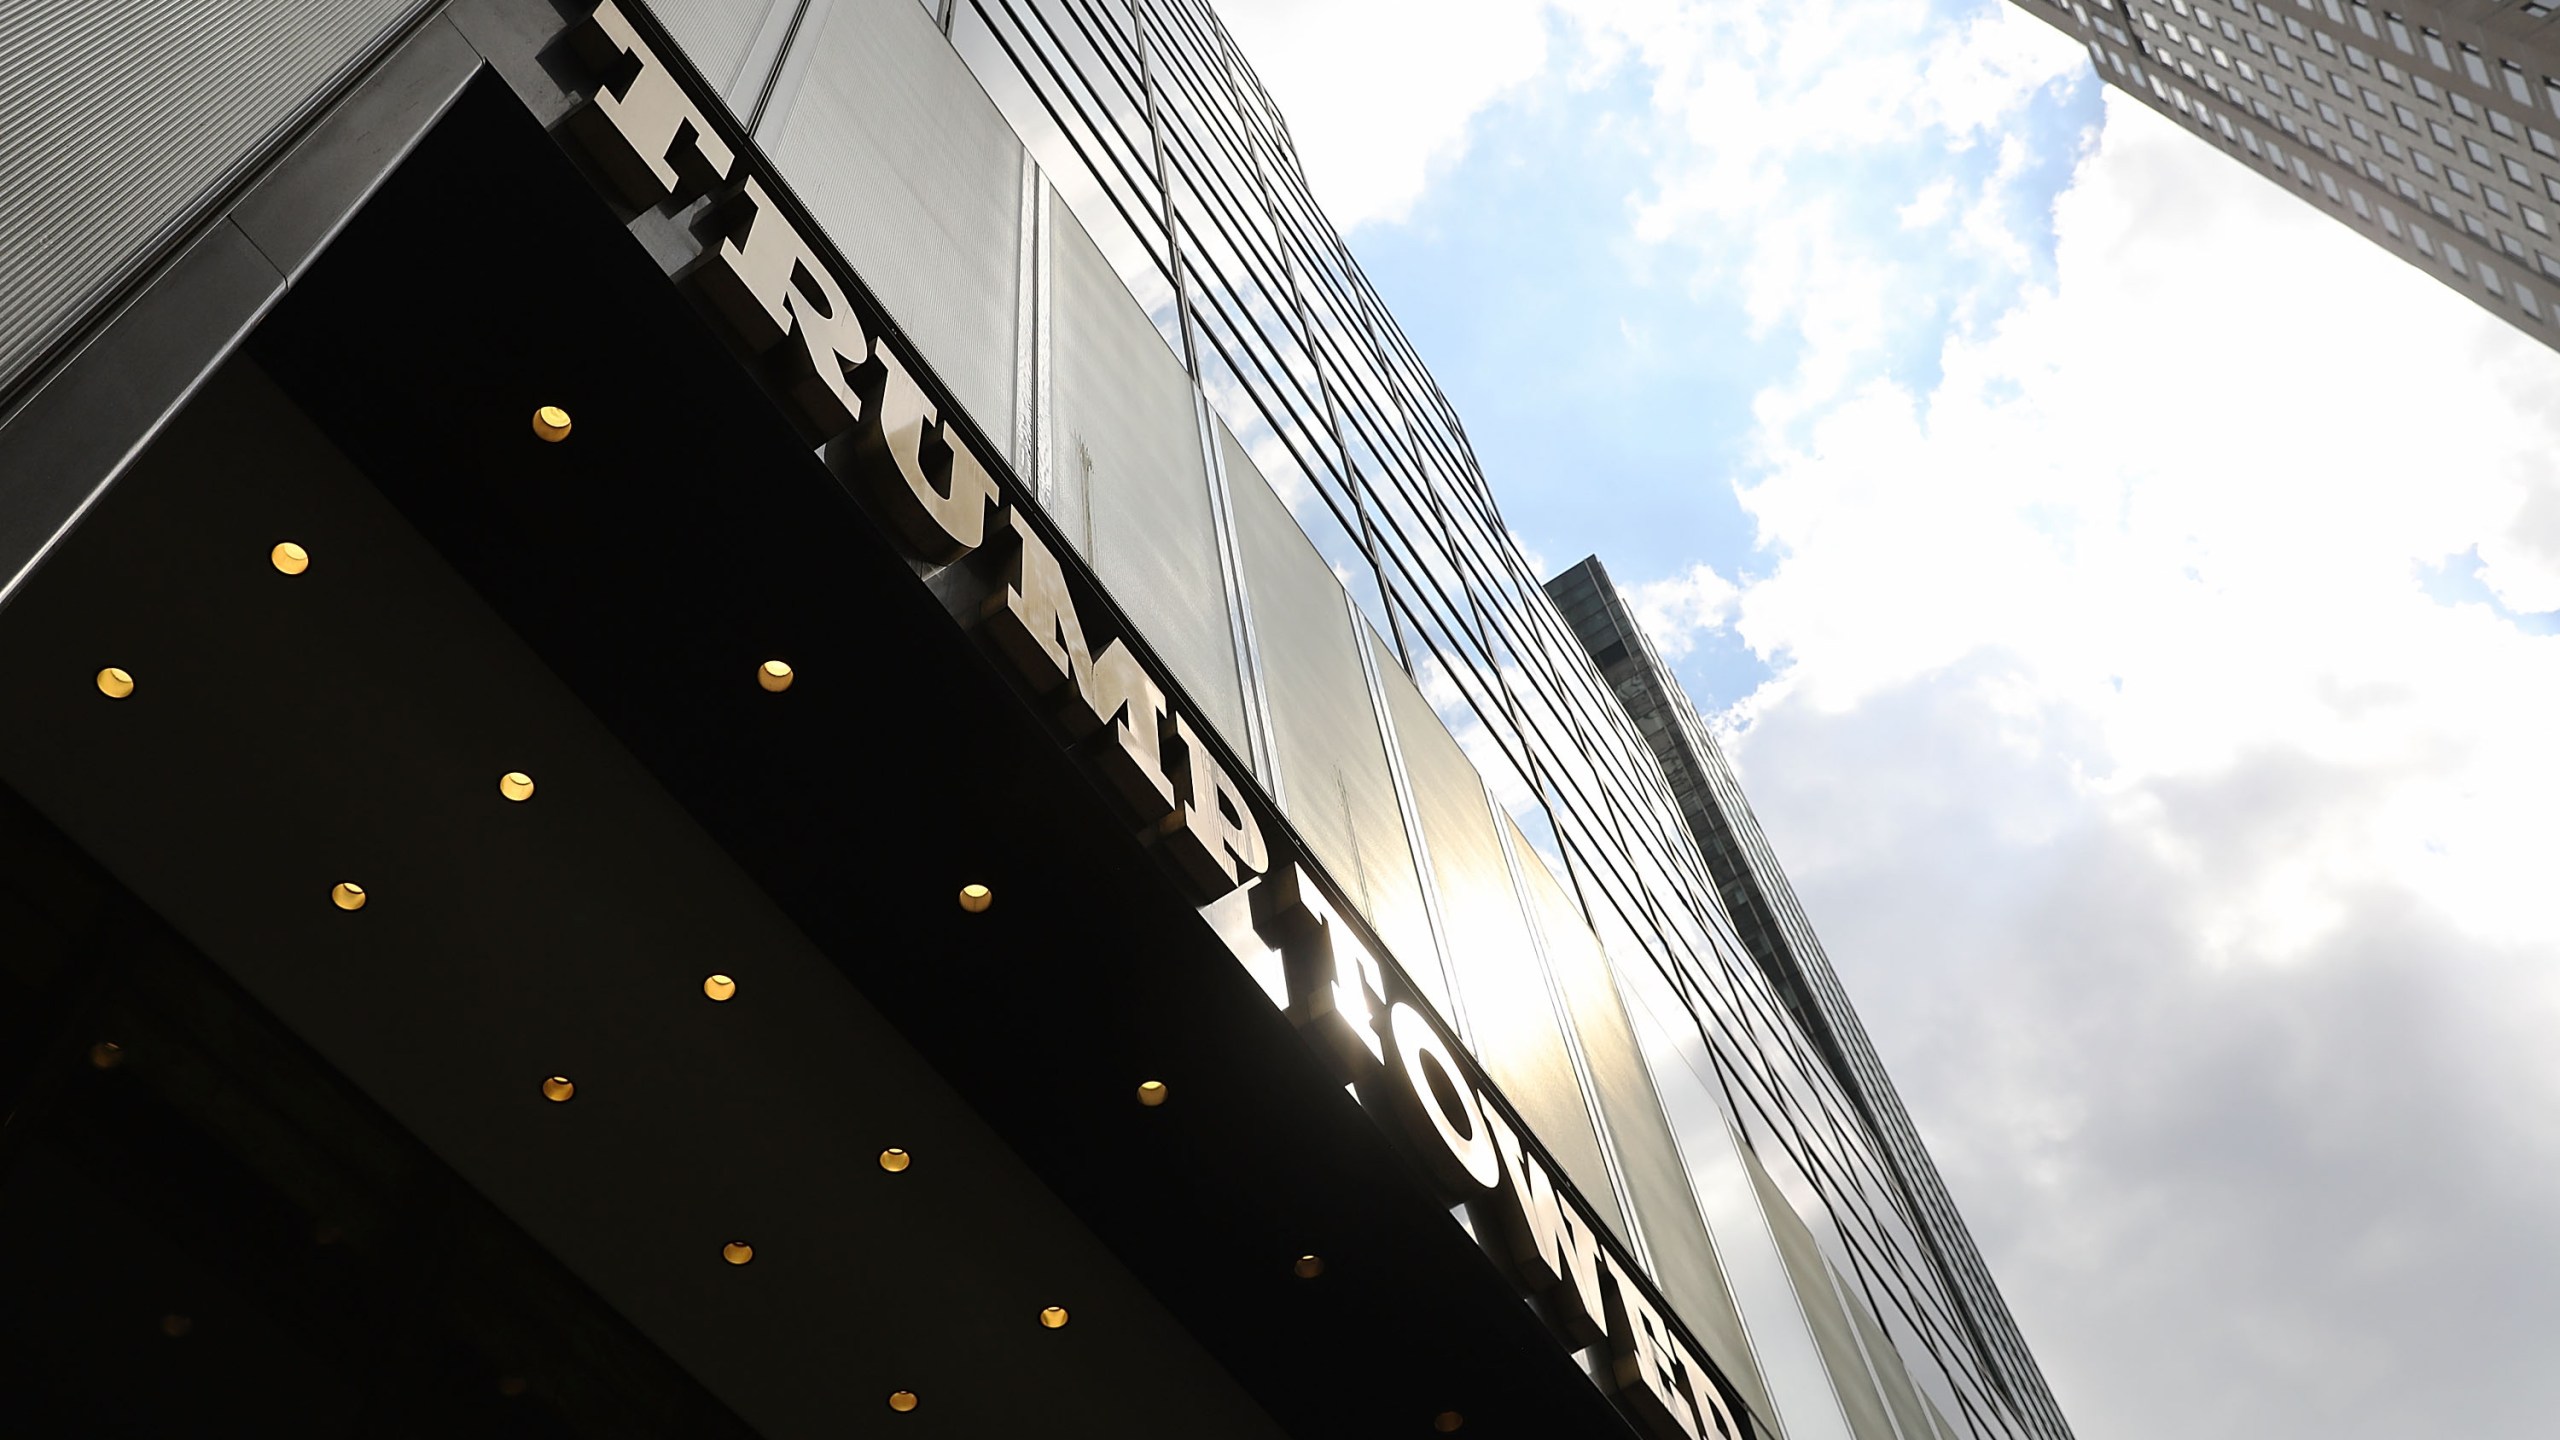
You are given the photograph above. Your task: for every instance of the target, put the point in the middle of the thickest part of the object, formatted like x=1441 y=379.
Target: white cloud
x=1929 y=206
x=2187 y=859
x=1755 y=112
x=1676 y=611
x=1378 y=96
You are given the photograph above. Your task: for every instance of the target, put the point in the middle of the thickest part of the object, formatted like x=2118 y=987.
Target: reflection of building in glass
x=988 y=368
x=2432 y=129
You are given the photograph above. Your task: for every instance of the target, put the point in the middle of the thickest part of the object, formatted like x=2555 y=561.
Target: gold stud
x=176 y=1327
x=516 y=785
x=558 y=1087
x=737 y=1252
x=719 y=987
x=902 y=1401
x=106 y=1054
x=774 y=675
x=895 y=1160
x=347 y=895
x=1054 y=1317
x=115 y=682
x=551 y=423
x=513 y=1386
x=290 y=558
x=976 y=898
x=1308 y=1267
x=1447 y=1421
x=1151 y=1093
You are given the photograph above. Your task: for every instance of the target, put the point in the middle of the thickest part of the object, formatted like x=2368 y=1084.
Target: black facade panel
x=217 y=1234
x=65 y=441
x=590 y=915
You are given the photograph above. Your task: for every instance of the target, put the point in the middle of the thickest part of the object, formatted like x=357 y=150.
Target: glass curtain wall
x=1148 y=123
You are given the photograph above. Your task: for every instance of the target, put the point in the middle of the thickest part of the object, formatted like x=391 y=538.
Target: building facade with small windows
x=2433 y=129
x=787 y=716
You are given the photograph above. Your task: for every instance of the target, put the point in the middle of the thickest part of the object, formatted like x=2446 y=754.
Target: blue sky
x=2128 y=596
x=2456 y=580
x=1643 y=359
x=1565 y=385
x=1642 y=366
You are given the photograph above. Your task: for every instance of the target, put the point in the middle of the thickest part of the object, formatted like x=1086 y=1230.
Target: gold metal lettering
x=644 y=133
x=1332 y=976
x=1211 y=836
x=1231 y=915
x=1553 y=1246
x=1116 y=691
x=1715 y=1421
x=1032 y=620
x=920 y=473
x=766 y=284
x=1642 y=1358
x=1464 y=1142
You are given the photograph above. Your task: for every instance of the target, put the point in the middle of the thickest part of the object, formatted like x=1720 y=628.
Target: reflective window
x=1350 y=474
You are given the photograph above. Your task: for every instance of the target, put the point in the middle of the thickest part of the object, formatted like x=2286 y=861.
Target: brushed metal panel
x=1823 y=1310
x=1650 y=1164
x=1333 y=763
x=918 y=179
x=119 y=118
x=1649 y=1158
x=1909 y=1409
x=1132 y=488
x=1511 y=1018
x=714 y=33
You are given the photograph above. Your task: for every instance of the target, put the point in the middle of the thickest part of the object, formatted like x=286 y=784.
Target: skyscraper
x=2433 y=130
x=757 y=715
x=1770 y=920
